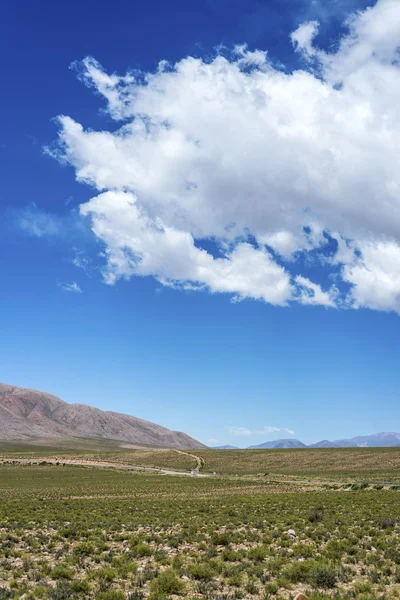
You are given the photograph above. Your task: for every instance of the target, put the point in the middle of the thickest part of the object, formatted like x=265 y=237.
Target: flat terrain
x=111 y=534
x=344 y=464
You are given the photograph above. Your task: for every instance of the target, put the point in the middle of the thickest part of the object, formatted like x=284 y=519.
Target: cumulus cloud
x=244 y=431
x=375 y=276
x=262 y=162
x=70 y=287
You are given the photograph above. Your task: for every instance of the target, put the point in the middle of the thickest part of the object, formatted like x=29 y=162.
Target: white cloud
x=70 y=287
x=311 y=293
x=81 y=260
x=244 y=431
x=213 y=441
x=375 y=276
x=37 y=222
x=260 y=161
x=239 y=431
x=304 y=36
x=290 y=431
x=138 y=245
x=269 y=430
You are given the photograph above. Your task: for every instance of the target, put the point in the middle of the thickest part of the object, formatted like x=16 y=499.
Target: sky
x=200 y=212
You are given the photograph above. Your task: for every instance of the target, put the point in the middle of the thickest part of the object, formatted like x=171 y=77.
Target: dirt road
x=199 y=461
x=99 y=464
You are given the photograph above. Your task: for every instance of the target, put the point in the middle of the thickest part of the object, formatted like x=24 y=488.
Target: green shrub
x=387 y=523
x=257 y=554
x=315 y=515
x=165 y=584
x=106 y=574
x=141 y=550
x=222 y=539
x=201 y=571
x=80 y=586
x=84 y=549
x=323 y=576
x=111 y=595
x=235 y=580
x=62 y=572
x=62 y=591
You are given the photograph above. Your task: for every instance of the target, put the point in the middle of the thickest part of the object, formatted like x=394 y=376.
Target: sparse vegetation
x=84 y=533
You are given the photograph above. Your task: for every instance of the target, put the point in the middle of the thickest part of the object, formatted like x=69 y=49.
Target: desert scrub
x=166 y=584
x=323 y=576
x=117 y=532
x=201 y=571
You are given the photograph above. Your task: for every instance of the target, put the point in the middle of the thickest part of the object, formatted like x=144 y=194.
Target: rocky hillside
x=27 y=414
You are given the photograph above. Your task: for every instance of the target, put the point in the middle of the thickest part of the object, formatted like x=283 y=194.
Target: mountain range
x=378 y=440
x=29 y=415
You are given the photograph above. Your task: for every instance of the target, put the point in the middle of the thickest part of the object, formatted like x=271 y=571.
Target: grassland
x=344 y=464
x=87 y=532
x=340 y=463
x=362 y=464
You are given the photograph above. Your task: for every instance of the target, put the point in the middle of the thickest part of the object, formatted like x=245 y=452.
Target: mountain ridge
x=377 y=440
x=26 y=413
x=279 y=444
x=226 y=447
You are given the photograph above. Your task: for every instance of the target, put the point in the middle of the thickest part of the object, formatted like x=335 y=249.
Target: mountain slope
x=26 y=413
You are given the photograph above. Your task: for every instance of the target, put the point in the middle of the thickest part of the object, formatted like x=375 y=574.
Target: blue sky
x=216 y=249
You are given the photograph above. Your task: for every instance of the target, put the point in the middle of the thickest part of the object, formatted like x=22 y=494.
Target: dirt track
x=198 y=459
x=99 y=464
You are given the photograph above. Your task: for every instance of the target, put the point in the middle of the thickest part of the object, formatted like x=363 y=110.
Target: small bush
x=84 y=549
x=323 y=576
x=141 y=550
x=165 y=584
x=201 y=571
x=221 y=539
x=62 y=591
x=111 y=595
x=80 y=586
x=315 y=515
x=258 y=553
x=62 y=572
x=136 y=595
x=387 y=523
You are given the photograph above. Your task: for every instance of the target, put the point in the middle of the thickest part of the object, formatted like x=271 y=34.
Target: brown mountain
x=26 y=414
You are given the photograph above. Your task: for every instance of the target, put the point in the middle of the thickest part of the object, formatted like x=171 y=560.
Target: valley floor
x=69 y=531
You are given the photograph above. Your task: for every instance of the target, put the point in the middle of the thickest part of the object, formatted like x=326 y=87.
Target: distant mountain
x=378 y=440
x=278 y=444
x=29 y=414
x=336 y=444
x=227 y=447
